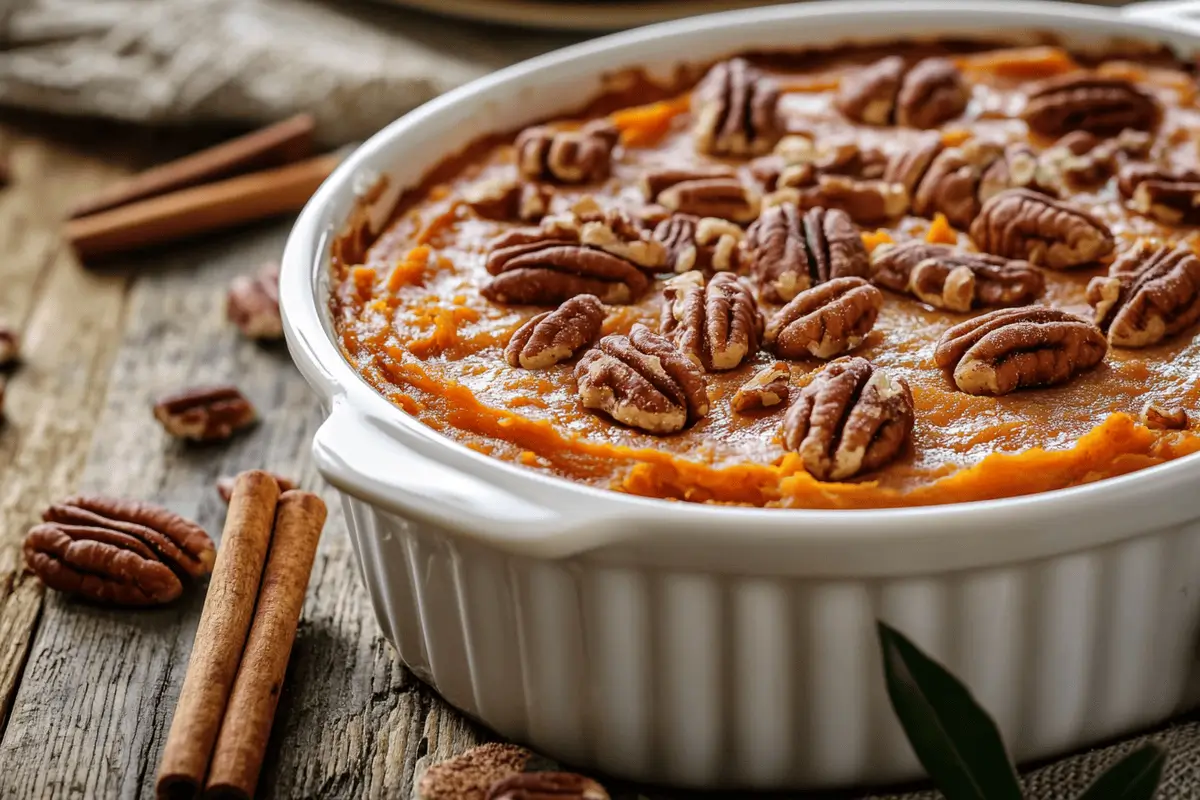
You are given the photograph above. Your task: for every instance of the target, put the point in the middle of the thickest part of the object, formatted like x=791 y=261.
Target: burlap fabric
x=355 y=67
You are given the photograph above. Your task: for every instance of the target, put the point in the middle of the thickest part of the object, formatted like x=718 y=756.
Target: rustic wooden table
x=87 y=693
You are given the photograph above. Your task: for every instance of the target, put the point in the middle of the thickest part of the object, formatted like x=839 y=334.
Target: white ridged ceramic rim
x=373 y=450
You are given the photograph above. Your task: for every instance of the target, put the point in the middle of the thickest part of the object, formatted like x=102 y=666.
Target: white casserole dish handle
x=1183 y=15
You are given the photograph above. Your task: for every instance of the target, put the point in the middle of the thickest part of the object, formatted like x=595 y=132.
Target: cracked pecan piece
x=252 y=303
x=1081 y=159
x=1167 y=195
x=951 y=183
x=1017 y=348
x=556 y=336
x=579 y=156
x=945 y=277
x=768 y=388
x=717 y=325
x=547 y=786
x=787 y=252
x=736 y=110
x=925 y=95
x=205 y=413
x=1023 y=224
x=1158 y=418
x=506 y=199
x=866 y=201
x=852 y=418
x=643 y=381
x=708 y=244
x=826 y=320
x=1151 y=292
x=1087 y=102
x=702 y=193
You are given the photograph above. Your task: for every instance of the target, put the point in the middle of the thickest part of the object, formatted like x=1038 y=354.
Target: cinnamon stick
x=220 y=637
x=281 y=143
x=242 y=742
x=200 y=209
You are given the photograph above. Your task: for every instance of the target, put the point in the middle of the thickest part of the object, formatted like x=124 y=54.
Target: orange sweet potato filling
x=413 y=322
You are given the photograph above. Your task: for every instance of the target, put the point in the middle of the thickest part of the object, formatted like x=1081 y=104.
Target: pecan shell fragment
x=1150 y=293
x=768 y=388
x=1022 y=224
x=580 y=156
x=788 y=252
x=852 y=418
x=736 y=110
x=825 y=321
x=1086 y=102
x=945 y=277
x=547 y=786
x=555 y=336
x=718 y=325
x=643 y=381
x=205 y=413
x=1017 y=348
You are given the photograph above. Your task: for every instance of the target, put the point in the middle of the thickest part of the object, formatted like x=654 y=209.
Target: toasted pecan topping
x=865 y=201
x=1022 y=224
x=736 y=110
x=1150 y=293
x=945 y=277
x=709 y=244
x=852 y=418
x=924 y=96
x=580 y=156
x=1081 y=101
x=1158 y=418
x=703 y=193
x=788 y=252
x=509 y=199
x=951 y=184
x=768 y=388
x=643 y=381
x=1016 y=348
x=205 y=413
x=1081 y=159
x=556 y=336
x=1171 y=196
x=869 y=94
x=718 y=325
x=827 y=320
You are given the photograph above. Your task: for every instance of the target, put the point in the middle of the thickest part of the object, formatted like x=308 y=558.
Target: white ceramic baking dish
x=726 y=647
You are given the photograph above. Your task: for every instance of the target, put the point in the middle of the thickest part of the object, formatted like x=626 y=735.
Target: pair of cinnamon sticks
x=223 y=720
x=259 y=175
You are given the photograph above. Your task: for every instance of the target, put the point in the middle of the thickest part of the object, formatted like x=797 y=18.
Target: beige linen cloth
x=356 y=67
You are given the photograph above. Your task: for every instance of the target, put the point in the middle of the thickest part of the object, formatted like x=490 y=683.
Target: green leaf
x=954 y=738
x=1134 y=777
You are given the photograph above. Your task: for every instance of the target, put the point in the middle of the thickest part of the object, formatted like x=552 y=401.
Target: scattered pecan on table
x=589 y=251
x=709 y=244
x=1167 y=195
x=547 y=786
x=717 y=325
x=472 y=773
x=556 y=336
x=1016 y=348
x=827 y=320
x=1023 y=224
x=116 y=551
x=567 y=156
x=956 y=280
x=736 y=110
x=508 y=198
x=205 y=413
x=852 y=418
x=643 y=381
x=702 y=192
x=1158 y=418
x=1083 y=101
x=787 y=251
x=1151 y=292
x=923 y=95
x=252 y=303
x=769 y=387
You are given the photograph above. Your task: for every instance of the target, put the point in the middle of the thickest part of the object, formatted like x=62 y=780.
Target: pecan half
x=945 y=277
x=590 y=251
x=788 y=252
x=951 y=184
x=1080 y=101
x=547 y=786
x=908 y=166
x=579 y=156
x=10 y=346
x=253 y=303
x=702 y=193
x=708 y=244
x=509 y=199
x=1167 y=195
x=1081 y=159
x=768 y=388
x=736 y=110
x=1019 y=223
x=225 y=485
x=1016 y=348
x=1175 y=419
x=205 y=413
x=718 y=325
x=826 y=320
x=643 y=381
x=800 y=161
x=924 y=96
x=865 y=201
x=555 y=336
x=852 y=418
x=1151 y=292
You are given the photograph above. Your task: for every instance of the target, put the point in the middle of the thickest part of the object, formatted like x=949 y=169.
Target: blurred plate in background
x=582 y=15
